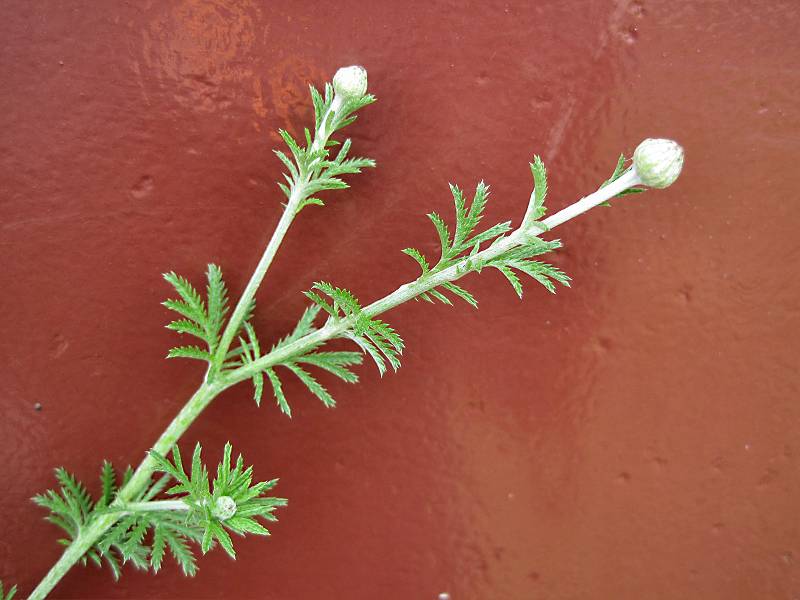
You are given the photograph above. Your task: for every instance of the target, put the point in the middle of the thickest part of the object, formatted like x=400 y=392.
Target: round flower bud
x=658 y=162
x=350 y=82
x=224 y=508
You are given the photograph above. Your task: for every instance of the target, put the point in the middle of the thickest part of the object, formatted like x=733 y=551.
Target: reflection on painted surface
x=641 y=440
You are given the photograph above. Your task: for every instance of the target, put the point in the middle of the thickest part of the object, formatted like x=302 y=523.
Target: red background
x=633 y=437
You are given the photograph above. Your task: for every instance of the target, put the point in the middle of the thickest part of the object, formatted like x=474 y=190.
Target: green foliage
x=143 y=538
x=620 y=170
x=311 y=169
x=230 y=503
x=460 y=254
x=517 y=259
x=462 y=247
x=9 y=595
x=537 y=208
x=72 y=509
x=250 y=351
x=200 y=319
x=141 y=529
x=336 y=363
x=458 y=248
x=375 y=338
x=147 y=529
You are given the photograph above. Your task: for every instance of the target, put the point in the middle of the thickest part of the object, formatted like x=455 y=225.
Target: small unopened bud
x=658 y=162
x=350 y=82
x=224 y=508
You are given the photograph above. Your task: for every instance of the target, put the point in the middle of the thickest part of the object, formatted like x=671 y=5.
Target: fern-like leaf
x=232 y=502
x=619 y=170
x=72 y=509
x=7 y=595
x=519 y=259
x=277 y=389
x=539 y=173
x=201 y=320
x=310 y=168
x=375 y=338
x=312 y=384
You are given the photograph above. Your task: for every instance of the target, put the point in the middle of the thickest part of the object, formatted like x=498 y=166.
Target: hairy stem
x=205 y=394
x=155 y=505
x=239 y=313
x=296 y=196
x=141 y=477
x=430 y=281
x=216 y=384
x=72 y=554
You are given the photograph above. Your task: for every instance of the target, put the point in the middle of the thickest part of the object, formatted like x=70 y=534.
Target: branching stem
x=297 y=195
x=430 y=281
x=89 y=536
x=210 y=387
x=215 y=384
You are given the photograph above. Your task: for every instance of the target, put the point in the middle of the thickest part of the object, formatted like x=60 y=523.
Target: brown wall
x=634 y=437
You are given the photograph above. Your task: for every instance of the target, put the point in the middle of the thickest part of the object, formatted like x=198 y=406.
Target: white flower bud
x=224 y=508
x=350 y=82
x=658 y=162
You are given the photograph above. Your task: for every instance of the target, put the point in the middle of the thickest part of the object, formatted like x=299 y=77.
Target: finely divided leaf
x=419 y=257
x=539 y=173
x=201 y=320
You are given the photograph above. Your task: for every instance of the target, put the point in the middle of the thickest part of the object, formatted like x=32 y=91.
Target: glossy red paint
x=634 y=437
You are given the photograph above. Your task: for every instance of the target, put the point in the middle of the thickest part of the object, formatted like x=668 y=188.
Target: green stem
x=329 y=122
x=296 y=195
x=214 y=384
x=73 y=554
x=429 y=281
x=135 y=486
x=207 y=392
x=154 y=505
x=239 y=313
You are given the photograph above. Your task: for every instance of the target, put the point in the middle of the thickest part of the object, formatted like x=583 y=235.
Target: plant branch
x=297 y=195
x=430 y=281
x=191 y=410
x=153 y=505
x=331 y=119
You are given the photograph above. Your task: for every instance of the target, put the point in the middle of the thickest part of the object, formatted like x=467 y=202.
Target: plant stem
x=201 y=398
x=72 y=554
x=89 y=536
x=430 y=281
x=216 y=384
x=296 y=196
x=155 y=505
x=239 y=313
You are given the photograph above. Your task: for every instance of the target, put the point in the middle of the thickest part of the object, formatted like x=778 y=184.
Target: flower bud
x=350 y=82
x=224 y=508
x=658 y=162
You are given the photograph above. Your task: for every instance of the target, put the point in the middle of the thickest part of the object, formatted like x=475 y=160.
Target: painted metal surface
x=634 y=437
